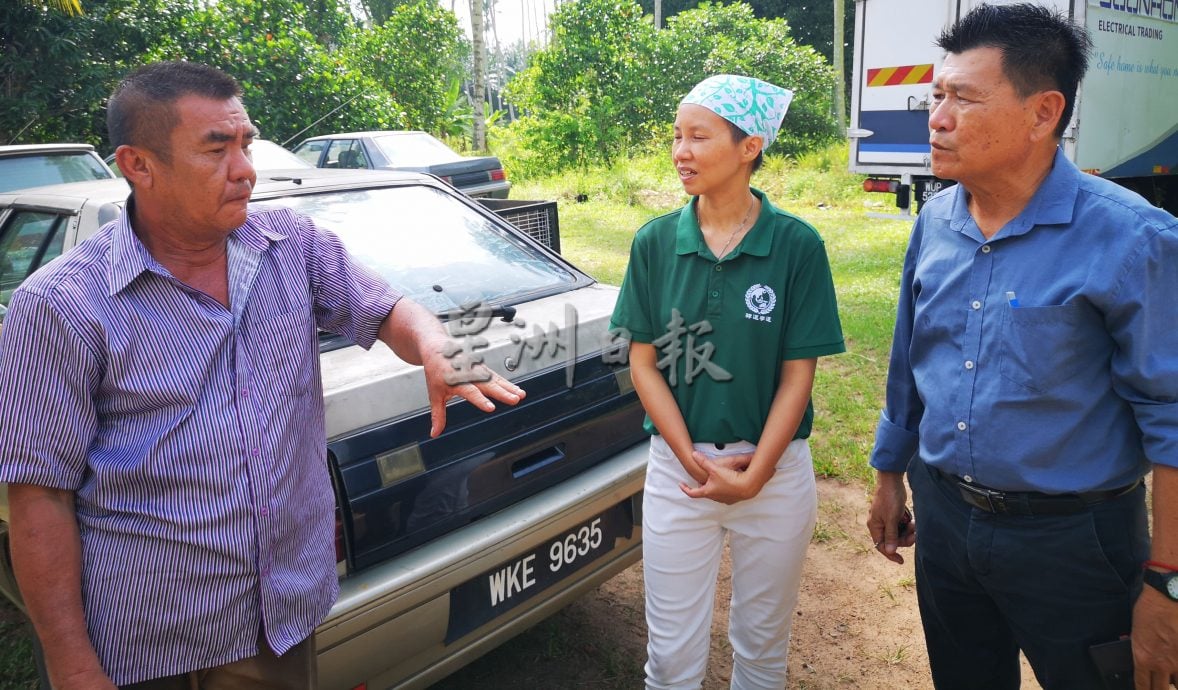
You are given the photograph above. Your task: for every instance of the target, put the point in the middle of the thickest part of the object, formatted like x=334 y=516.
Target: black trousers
x=989 y=585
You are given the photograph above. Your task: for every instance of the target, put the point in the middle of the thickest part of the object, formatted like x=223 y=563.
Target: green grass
x=16 y=651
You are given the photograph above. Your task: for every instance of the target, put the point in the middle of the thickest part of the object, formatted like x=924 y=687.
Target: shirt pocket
x=1043 y=347
x=286 y=350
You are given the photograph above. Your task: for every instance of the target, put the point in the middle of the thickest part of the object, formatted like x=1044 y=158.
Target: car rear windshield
x=415 y=150
x=19 y=172
x=436 y=249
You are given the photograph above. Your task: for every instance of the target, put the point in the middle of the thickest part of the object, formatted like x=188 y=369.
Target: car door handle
x=536 y=461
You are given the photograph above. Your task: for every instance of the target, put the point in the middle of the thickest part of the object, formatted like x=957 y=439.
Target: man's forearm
x=410 y=330
x=1165 y=515
x=47 y=561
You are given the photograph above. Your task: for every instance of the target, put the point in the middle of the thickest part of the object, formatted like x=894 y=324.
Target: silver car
x=446 y=547
x=477 y=176
x=35 y=165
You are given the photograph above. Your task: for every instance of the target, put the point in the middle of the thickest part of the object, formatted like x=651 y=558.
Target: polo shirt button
x=256 y=452
x=961 y=426
x=985 y=249
x=975 y=304
x=719 y=267
x=968 y=364
x=968 y=478
x=715 y=293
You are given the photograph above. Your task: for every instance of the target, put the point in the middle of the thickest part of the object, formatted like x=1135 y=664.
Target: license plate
x=511 y=583
x=926 y=189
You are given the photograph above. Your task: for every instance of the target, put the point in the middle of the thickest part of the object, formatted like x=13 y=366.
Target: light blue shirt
x=1042 y=359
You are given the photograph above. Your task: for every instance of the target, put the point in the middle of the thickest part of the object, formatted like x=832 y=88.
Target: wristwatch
x=1166 y=583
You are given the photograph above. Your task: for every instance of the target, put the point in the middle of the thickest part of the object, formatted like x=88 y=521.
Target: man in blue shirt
x=1033 y=381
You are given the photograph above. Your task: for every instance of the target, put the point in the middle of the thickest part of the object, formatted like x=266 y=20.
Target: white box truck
x=1125 y=124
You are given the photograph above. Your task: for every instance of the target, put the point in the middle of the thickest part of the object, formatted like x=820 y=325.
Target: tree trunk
x=496 y=97
x=479 y=78
x=658 y=14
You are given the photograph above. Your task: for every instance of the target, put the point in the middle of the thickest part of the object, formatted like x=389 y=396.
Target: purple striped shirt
x=192 y=435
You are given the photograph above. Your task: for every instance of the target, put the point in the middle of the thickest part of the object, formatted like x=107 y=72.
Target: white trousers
x=682 y=541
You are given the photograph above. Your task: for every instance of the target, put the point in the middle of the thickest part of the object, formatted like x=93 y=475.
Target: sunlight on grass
x=601 y=209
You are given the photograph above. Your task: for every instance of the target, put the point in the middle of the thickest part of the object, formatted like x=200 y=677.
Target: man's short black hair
x=1042 y=50
x=739 y=135
x=141 y=110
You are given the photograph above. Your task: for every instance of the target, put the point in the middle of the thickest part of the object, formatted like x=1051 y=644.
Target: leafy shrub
x=609 y=83
x=415 y=56
x=289 y=79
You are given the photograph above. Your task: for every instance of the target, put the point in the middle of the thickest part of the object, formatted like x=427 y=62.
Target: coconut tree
x=70 y=7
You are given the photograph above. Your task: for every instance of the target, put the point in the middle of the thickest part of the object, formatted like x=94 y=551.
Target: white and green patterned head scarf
x=756 y=107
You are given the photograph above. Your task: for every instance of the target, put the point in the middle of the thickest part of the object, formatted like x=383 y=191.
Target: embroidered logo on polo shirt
x=760 y=300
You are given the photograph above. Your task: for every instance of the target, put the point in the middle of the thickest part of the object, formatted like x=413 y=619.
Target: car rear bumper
x=491 y=190
x=389 y=626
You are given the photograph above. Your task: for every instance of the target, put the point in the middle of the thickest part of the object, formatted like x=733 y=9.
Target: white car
x=477 y=176
x=265 y=154
x=36 y=165
x=446 y=547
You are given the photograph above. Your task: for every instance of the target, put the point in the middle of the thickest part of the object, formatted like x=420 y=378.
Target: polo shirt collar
x=129 y=258
x=757 y=242
x=1052 y=204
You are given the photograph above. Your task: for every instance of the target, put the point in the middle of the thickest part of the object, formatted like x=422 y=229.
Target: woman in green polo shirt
x=727 y=303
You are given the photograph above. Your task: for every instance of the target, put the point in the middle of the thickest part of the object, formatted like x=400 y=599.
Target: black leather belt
x=1029 y=502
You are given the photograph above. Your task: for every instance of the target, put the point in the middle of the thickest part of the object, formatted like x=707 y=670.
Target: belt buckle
x=997 y=502
x=985 y=495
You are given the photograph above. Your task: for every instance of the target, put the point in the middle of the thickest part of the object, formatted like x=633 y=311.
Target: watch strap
x=1160 y=582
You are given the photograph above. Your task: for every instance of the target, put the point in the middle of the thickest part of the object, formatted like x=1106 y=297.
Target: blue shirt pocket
x=1043 y=347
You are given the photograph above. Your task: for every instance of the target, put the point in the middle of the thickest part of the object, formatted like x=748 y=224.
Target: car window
x=266 y=155
x=310 y=150
x=28 y=240
x=19 y=172
x=415 y=150
x=435 y=249
x=346 y=153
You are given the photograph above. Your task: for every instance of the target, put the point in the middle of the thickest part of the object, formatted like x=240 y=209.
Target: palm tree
x=70 y=7
x=479 y=78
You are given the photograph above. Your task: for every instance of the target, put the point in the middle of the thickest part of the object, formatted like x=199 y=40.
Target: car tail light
x=498 y=174
x=874 y=185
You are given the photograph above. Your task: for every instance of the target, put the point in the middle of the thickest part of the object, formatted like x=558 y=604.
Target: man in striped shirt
x=163 y=436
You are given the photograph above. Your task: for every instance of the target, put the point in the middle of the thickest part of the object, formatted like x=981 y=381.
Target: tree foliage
x=811 y=22
x=609 y=82
x=415 y=55
x=580 y=94
x=606 y=84
x=57 y=70
x=290 y=81
x=303 y=64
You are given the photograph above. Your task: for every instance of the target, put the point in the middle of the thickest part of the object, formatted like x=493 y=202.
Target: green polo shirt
x=722 y=328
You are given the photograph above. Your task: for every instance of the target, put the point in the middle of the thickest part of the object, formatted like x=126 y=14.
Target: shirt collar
x=129 y=258
x=1052 y=204
x=759 y=240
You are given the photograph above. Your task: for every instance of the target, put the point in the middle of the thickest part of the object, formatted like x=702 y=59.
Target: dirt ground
x=856 y=624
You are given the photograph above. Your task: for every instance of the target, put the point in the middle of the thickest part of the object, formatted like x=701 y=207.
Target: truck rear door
x=895 y=59
x=1127 y=114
